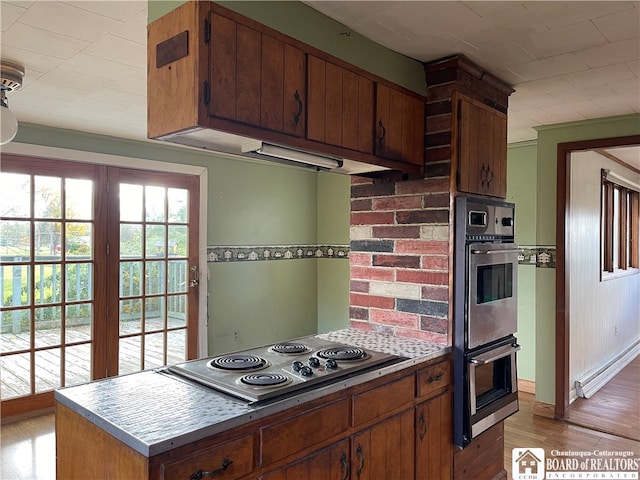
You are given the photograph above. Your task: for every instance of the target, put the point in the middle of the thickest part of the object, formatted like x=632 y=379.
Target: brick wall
x=399 y=260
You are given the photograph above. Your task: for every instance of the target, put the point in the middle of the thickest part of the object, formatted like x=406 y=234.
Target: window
x=619 y=227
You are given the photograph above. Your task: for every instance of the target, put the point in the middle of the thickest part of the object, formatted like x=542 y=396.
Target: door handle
x=494 y=355
x=495 y=252
x=195 y=281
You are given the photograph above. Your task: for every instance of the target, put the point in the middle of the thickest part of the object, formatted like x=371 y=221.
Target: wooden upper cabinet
x=214 y=72
x=340 y=106
x=482 y=148
x=399 y=125
x=255 y=78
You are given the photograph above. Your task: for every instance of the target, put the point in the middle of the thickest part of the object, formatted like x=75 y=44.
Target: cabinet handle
x=197 y=475
x=435 y=378
x=360 y=455
x=345 y=466
x=296 y=117
x=483 y=175
x=423 y=426
x=490 y=174
x=383 y=132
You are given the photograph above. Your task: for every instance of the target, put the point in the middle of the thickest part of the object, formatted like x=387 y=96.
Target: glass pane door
x=156 y=269
x=46 y=280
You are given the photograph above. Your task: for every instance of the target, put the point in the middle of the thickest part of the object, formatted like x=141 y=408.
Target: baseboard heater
x=592 y=382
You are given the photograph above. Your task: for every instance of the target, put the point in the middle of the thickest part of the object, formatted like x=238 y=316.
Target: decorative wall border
x=218 y=254
x=540 y=256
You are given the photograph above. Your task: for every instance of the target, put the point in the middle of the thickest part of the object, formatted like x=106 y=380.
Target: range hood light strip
x=295 y=156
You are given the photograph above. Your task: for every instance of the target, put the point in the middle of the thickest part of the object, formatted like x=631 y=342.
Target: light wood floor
x=525 y=430
x=610 y=409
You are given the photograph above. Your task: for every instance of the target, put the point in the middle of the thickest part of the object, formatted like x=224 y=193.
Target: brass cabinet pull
x=435 y=378
x=360 y=455
x=197 y=475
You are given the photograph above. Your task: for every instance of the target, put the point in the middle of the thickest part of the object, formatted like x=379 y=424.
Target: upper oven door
x=492 y=292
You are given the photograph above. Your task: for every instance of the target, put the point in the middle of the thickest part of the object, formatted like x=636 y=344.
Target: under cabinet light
x=259 y=149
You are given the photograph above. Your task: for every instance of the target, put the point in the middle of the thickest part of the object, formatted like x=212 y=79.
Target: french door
x=98 y=274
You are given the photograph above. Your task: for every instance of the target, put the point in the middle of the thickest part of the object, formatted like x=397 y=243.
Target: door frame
x=563 y=212
x=143 y=164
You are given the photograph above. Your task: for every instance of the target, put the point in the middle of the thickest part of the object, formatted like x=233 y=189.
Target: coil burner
x=290 y=348
x=266 y=379
x=344 y=353
x=238 y=362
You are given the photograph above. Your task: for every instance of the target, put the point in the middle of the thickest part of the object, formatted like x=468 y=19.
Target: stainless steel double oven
x=485 y=316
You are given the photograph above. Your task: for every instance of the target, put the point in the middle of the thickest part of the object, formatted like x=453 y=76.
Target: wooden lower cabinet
x=385 y=450
x=483 y=458
x=393 y=428
x=232 y=459
x=330 y=463
x=434 y=448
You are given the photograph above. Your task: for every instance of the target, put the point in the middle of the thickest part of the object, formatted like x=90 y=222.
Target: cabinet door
x=433 y=439
x=255 y=79
x=385 y=450
x=482 y=148
x=399 y=126
x=331 y=463
x=340 y=108
x=231 y=460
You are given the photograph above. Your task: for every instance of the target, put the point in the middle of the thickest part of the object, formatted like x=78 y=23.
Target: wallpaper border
x=256 y=253
x=542 y=256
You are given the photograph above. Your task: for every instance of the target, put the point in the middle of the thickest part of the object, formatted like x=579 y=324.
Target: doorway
x=99 y=274
x=563 y=270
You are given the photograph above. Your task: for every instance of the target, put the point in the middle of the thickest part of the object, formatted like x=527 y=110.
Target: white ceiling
x=568 y=61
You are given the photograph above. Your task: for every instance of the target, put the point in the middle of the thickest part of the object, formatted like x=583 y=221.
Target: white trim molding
x=590 y=383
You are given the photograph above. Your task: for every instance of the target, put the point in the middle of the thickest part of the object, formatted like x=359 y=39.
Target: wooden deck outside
x=15 y=371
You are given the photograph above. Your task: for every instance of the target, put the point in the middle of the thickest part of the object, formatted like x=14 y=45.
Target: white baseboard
x=589 y=384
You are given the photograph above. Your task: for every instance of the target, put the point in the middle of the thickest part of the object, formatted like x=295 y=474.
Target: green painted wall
x=548 y=139
x=521 y=190
x=252 y=203
x=323 y=206
x=313 y=28
x=334 y=193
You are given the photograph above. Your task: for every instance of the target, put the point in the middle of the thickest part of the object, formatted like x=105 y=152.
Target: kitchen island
x=154 y=425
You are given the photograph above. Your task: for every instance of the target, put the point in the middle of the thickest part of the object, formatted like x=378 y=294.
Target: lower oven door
x=492 y=385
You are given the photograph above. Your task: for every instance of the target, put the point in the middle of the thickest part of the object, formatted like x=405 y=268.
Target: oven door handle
x=494 y=252
x=494 y=355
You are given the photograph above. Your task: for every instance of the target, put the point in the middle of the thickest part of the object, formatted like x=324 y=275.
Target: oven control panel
x=490 y=221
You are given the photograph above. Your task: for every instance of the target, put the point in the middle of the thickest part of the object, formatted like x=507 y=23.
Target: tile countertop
x=153 y=412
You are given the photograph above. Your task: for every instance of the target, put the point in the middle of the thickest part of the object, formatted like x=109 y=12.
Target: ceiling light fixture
x=287 y=155
x=11 y=75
